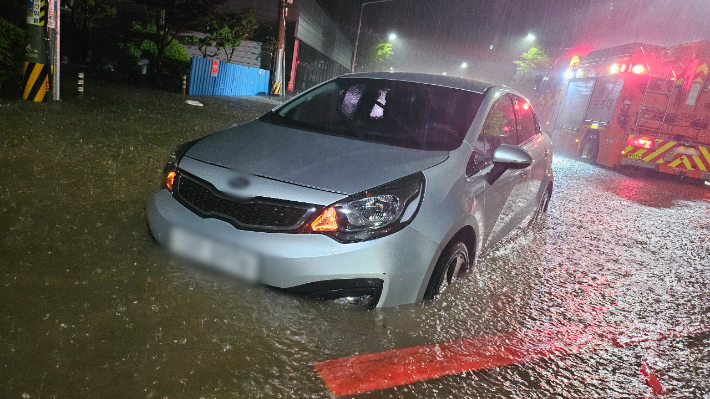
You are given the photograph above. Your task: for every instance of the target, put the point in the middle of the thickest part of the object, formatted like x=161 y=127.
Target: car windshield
x=404 y=114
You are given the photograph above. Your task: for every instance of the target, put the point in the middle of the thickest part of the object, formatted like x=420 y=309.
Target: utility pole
x=37 y=69
x=279 y=67
x=57 y=52
x=357 y=38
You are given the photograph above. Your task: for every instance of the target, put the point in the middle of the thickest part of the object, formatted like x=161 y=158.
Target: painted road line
x=650 y=378
x=375 y=371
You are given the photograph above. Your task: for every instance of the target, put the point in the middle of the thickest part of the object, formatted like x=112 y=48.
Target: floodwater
x=92 y=307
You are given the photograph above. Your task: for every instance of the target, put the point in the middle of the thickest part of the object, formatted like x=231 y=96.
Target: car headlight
x=373 y=213
x=176 y=155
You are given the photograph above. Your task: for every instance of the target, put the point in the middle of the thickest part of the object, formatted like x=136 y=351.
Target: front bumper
x=401 y=261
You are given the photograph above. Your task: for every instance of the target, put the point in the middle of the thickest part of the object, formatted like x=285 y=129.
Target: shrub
x=12 y=45
x=140 y=43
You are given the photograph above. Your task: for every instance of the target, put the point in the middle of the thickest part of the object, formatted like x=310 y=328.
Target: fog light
x=363 y=300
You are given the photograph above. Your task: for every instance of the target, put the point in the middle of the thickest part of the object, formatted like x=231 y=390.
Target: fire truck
x=637 y=104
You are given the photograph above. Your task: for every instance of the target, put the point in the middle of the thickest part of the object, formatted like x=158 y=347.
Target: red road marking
x=363 y=373
x=649 y=377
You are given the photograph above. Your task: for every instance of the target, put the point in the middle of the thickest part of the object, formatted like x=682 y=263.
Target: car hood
x=321 y=161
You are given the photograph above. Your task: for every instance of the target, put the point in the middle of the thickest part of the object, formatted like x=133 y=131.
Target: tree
x=239 y=26
x=382 y=53
x=210 y=44
x=533 y=62
x=83 y=13
x=12 y=46
x=171 y=17
x=139 y=43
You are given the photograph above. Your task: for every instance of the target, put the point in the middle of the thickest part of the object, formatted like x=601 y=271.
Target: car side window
x=498 y=128
x=527 y=127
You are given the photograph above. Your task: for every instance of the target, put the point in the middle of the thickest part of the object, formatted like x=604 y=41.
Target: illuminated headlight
x=170 y=170
x=373 y=213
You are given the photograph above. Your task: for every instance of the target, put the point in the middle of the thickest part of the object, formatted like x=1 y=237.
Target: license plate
x=228 y=258
x=686 y=151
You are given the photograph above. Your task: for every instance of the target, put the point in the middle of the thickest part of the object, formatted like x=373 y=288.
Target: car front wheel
x=452 y=262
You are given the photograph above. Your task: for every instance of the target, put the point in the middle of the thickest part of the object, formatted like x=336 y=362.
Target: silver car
x=376 y=189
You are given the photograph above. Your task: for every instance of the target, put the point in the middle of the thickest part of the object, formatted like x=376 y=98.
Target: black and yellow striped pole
x=37 y=68
x=277 y=77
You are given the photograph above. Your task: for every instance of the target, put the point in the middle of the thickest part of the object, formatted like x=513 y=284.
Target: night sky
x=437 y=36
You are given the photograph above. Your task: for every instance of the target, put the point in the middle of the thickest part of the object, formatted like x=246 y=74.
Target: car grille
x=255 y=213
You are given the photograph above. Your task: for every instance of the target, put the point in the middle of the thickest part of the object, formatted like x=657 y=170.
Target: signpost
x=215 y=67
x=37 y=69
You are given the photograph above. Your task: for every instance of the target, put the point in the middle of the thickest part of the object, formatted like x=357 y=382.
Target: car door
x=502 y=197
x=529 y=135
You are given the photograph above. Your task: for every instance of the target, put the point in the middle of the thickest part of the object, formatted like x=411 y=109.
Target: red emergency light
x=637 y=69
x=643 y=142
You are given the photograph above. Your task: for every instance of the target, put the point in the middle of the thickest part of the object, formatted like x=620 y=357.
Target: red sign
x=215 y=67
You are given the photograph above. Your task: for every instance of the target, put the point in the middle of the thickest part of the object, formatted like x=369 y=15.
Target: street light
x=357 y=38
x=464 y=65
x=393 y=36
x=530 y=37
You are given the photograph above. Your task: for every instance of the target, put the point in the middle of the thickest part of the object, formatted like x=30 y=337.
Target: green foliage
x=139 y=43
x=237 y=26
x=12 y=45
x=382 y=53
x=225 y=32
x=210 y=45
x=533 y=62
x=171 y=17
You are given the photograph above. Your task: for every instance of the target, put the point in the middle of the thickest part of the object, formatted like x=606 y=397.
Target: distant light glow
x=638 y=69
x=491 y=47
x=614 y=69
x=464 y=65
x=569 y=74
x=530 y=37
x=393 y=36
x=444 y=73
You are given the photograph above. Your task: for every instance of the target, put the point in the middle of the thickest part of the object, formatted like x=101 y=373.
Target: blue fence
x=231 y=79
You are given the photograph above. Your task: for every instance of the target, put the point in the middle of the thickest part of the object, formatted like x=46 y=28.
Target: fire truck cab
x=641 y=105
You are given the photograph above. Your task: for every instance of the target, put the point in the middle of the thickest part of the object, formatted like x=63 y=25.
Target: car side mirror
x=512 y=156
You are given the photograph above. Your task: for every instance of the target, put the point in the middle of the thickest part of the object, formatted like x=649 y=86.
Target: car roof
x=439 y=80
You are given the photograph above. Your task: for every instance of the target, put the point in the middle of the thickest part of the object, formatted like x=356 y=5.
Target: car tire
x=453 y=261
x=538 y=217
x=589 y=150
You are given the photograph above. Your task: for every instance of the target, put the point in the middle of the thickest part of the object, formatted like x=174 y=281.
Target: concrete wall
x=267 y=11
x=318 y=30
x=248 y=54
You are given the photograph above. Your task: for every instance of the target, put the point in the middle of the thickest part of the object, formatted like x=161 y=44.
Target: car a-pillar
x=457 y=258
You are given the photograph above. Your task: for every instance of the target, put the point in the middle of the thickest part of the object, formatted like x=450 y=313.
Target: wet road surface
x=92 y=307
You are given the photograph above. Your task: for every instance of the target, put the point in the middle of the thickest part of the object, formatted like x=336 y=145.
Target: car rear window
x=405 y=114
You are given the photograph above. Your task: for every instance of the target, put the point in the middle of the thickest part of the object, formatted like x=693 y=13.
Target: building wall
x=317 y=29
x=267 y=11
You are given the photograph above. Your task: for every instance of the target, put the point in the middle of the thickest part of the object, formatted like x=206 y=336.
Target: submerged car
x=378 y=189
